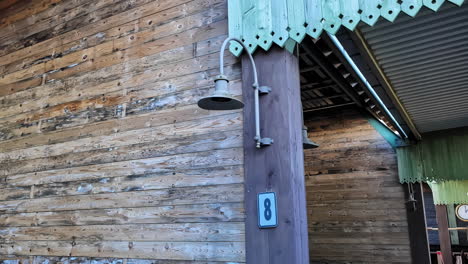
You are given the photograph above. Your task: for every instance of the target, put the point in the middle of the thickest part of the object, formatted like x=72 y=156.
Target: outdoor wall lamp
x=222 y=99
x=306 y=142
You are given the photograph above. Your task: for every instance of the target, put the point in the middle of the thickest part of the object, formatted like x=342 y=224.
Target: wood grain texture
x=87 y=260
x=186 y=232
x=356 y=206
x=208 y=251
x=198 y=213
x=444 y=236
x=104 y=155
x=279 y=167
x=417 y=225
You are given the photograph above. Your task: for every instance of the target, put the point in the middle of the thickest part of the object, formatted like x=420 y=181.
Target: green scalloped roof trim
x=260 y=23
x=450 y=192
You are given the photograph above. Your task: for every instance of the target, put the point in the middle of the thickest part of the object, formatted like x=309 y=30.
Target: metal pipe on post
x=279 y=168
x=257 y=117
x=375 y=67
x=259 y=141
x=367 y=84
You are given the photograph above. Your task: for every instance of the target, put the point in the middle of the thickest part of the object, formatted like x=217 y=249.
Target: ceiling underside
x=426 y=61
x=318 y=90
x=328 y=82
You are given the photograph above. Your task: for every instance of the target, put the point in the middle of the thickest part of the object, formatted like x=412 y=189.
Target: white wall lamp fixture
x=222 y=99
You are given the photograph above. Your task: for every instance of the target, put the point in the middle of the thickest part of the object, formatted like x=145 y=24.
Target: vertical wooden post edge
x=278 y=168
x=444 y=236
x=417 y=226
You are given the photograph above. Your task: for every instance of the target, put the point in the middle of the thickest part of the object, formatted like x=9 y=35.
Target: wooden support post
x=417 y=226
x=444 y=236
x=278 y=168
x=452 y=221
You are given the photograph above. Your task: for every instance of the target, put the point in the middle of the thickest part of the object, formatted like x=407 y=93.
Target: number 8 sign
x=267 y=216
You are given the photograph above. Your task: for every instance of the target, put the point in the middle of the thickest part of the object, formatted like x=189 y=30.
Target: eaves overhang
x=262 y=23
x=425 y=61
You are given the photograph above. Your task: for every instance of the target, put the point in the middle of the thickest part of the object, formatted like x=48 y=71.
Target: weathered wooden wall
x=103 y=151
x=356 y=205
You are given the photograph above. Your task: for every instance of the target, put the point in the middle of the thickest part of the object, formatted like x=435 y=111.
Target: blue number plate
x=267 y=211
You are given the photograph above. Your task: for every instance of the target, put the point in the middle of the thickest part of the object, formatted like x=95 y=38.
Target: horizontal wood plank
x=190 y=136
x=171 y=196
x=213 y=158
x=193 y=213
x=161 y=180
x=356 y=206
x=105 y=156
x=212 y=251
x=179 y=232
x=92 y=28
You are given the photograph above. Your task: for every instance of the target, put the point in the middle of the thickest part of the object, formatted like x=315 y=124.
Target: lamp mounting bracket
x=263 y=90
x=264 y=142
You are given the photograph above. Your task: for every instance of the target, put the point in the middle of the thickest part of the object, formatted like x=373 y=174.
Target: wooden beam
x=279 y=167
x=7 y=3
x=444 y=236
x=356 y=78
x=309 y=69
x=322 y=61
x=452 y=220
x=420 y=252
x=315 y=86
x=327 y=107
x=319 y=98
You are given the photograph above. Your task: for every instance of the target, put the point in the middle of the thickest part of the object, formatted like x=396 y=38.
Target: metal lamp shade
x=221 y=98
x=306 y=142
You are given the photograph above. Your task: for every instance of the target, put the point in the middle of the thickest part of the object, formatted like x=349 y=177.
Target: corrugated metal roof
x=426 y=60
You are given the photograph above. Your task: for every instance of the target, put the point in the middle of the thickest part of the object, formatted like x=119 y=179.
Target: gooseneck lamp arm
x=265 y=90
x=221 y=58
